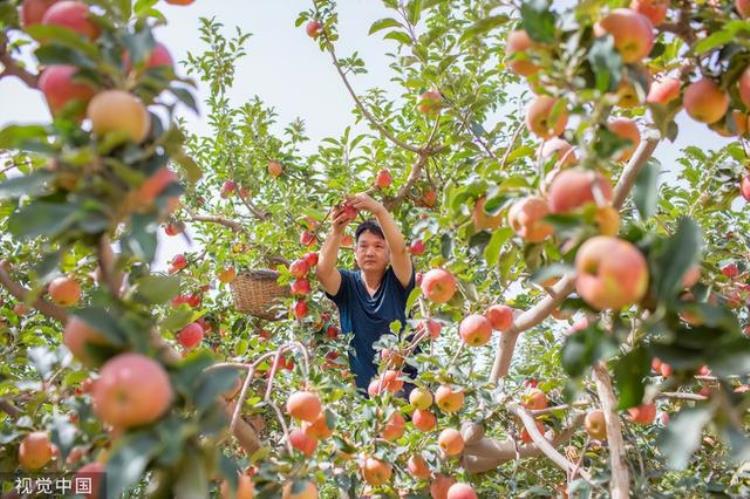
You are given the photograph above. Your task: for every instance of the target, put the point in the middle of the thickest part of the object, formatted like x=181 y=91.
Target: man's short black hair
x=368 y=225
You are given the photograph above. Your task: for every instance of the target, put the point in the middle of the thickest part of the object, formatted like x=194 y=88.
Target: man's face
x=371 y=252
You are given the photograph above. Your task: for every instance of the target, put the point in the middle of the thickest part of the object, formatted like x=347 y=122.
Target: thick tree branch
x=11 y=67
x=416 y=172
x=619 y=485
x=234 y=226
x=20 y=292
x=536 y=314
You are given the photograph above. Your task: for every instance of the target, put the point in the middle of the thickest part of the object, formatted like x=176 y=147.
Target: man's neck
x=372 y=280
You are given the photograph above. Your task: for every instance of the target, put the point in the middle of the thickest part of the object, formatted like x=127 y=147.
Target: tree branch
x=20 y=293
x=619 y=485
x=536 y=314
x=9 y=408
x=414 y=175
x=11 y=67
x=234 y=226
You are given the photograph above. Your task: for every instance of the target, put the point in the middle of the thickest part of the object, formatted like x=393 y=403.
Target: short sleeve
x=344 y=288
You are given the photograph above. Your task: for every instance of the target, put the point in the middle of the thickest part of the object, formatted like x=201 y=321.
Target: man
x=375 y=295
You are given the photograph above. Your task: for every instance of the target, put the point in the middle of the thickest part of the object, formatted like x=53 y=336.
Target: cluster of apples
x=306 y=408
x=300 y=287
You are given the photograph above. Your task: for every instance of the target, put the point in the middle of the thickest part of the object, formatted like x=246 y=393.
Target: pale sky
x=288 y=71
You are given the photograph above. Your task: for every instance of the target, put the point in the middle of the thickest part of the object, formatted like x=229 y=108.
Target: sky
x=288 y=72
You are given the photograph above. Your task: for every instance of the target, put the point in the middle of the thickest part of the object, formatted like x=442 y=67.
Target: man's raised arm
x=326 y=272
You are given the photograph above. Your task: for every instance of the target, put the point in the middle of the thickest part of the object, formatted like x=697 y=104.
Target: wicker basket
x=255 y=292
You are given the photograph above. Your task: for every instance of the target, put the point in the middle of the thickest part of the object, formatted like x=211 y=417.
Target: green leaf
x=725 y=35
x=212 y=384
x=646 y=189
x=629 y=373
x=141 y=240
x=498 y=239
x=413 y=10
x=606 y=63
x=384 y=23
x=178 y=317
x=60 y=54
x=191 y=169
x=192 y=482
x=680 y=252
x=683 y=435
x=33 y=184
x=538 y=20
x=413 y=297
x=128 y=461
x=398 y=36
x=583 y=348
x=186 y=97
x=140 y=45
x=483 y=26
x=15 y=136
x=104 y=322
x=155 y=289
x=41 y=218
x=50 y=34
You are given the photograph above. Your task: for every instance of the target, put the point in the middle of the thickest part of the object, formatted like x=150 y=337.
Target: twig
x=513 y=139
x=9 y=408
x=620 y=483
x=11 y=67
x=235 y=226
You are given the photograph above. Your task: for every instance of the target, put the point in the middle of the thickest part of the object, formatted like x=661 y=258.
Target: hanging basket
x=255 y=293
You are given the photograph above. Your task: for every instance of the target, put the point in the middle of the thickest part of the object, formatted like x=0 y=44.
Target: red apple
x=625 y=129
x=574 y=189
x=417 y=247
x=643 y=414
x=394 y=428
x=633 y=33
x=303 y=443
x=299 y=268
x=475 y=330
x=440 y=486
x=664 y=91
x=418 y=467
x=179 y=262
x=314 y=28
x=560 y=150
x=705 y=101
x=300 y=309
x=535 y=400
x=72 y=15
x=311 y=259
x=430 y=102
x=376 y=472
x=275 y=169
x=438 y=285
x=307 y=238
x=59 y=89
x=745 y=188
x=518 y=46
x=730 y=270
x=526 y=219
x=32 y=11
x=228 y=188
x=546 y=117
x=451 y=442
x=65 y=291
x=304 y=406
x=383 y=179
x=500 y=316
x=461 y=491
x=448 y=399
x=655 y=10
x=300 y=287
x=743 y=7
x=423 y=420
x=190 y=336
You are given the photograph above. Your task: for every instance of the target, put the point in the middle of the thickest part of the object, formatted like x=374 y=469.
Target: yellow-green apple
x=518 y=46
x=376 y=472
x=633 y=33
x=418 y=467
x=664 y=91
x=573 y=189
x=595 y=424
x=534 y=400
x=423 y=420
x=611 y=273
x=461 y=491
x=35 y=451
x=440 y=485
x=546 y=117
x=64 y=291
x=608 y=220
x=305 y=490
x=59 y=89
x=119 y=111
x=745 y=188
x=420 y=398
x=451 y=441
x=71 y=15
x=643 y=414
x=483 y=220
x=526 y=218
x=314 y=28
x=500 y=317
x=475 y=330
x=303 y=443
x=383 y=179
x=560 y=150
x=317 y=429
x=304 y=405
x=625 y=129
x=132 y=390
x=245 y=488
x=705 y=101
x=430 y=102
x=448 y=399
x=394 y=427
x=275 y=169
x=438 y=285
x=655 y=10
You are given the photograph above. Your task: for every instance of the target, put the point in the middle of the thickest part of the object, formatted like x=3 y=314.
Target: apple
x=451 y=442
x=608 y=220
x=482 y=220
x=418 y=467
x=180 y=2
x=627 y=95
x=423 y=420
x=535 y=400
x=440 y=486
x=420 y=398
x=438 y=285
x=190 y=336
x=705 y=102
x=300 y=287
x=119 y=111
x=745 y=188
x=633 y=33
x=304 y=405
x=227 y=275
x=314 y=28
x=32 y=11
x=179 y=262
x=546 y=117
x=526 y=436
x=332 y=332
x=132 y=390
x=643 y=414
x=300 y=309
x=461 y=491
x=383 y=179
x=664 y=91
x=732 y=125
x=77 y=334
x=517 y=48
x=526 y=219
x=665 y=370
x=391 y=357
x=500 y=317
x=611 y=273
x=307 y=238
x=575 y=188
x=625 y=129
x=317 y=429
x=72 y=15
x=730 y=270
x=655 y=10
x=595 y=424
x=433 y=328
x=228 y=189
x=429 y=198
x=303 y=443
x=394 y=428
x=475 y=330
x=311 y=259
x=430 y=102
x=743 y=7
x=376 y=472
x=64 y=291
x=174 y=228
x=20 y=309
x=560 y=150
x=35 y=451
x=59 y=89
x=275 y=169
x=155 y=185
x=245 y=488
x=305 y=490
x=448 y=399
x=299 y=268
x=417 y=247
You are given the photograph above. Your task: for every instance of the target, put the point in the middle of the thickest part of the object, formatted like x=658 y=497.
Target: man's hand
x=340 y=219
x=364 y=202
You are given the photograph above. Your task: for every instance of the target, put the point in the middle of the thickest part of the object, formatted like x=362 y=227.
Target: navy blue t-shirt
x=369 y=317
